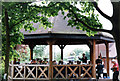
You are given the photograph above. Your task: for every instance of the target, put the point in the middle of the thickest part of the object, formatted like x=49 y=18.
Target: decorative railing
x=39 y=72
x=72 y=71
x=28 y=71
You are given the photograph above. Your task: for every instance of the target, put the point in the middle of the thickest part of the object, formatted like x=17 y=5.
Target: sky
x=106 y=7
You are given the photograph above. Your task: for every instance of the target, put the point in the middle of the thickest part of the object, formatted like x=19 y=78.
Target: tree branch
x=98 y=9
x=93 y=29
x=20 y=21
x=45 y=6
x=37 y=10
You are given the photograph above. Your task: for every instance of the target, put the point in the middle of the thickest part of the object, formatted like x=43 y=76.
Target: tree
x=78 y=51
x=85 y=19
x=39 y=50
x=57 y=57
x=17 y=15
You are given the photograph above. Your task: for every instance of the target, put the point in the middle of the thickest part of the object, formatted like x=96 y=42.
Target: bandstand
x=60 y=35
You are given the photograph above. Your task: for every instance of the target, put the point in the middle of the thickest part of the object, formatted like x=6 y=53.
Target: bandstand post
x=50 y=43
x=107 y=56
x=93 y=60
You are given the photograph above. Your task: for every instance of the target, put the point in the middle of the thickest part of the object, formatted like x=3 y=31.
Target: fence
x=40 y=72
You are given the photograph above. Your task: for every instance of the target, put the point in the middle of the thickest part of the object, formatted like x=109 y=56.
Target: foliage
x=23 y=53
x=78 y=51
x=57 y=57
x=87 y=55
x=1 y=66
x=39 y=51
x=19 y=14
x=84 y=13
x=15 y=16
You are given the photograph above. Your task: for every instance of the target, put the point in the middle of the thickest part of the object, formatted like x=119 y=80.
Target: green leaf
x=64 y=17
x=63 y=12
x=77 y=28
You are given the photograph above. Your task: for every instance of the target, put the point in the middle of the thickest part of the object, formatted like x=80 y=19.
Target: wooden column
x=62 y=54
x=107 y=56
x=61 y=47
x=31 y=46
x=50 y=60
x=93 y=60
x=31 y=53
x=90 y=45
x=91 y=52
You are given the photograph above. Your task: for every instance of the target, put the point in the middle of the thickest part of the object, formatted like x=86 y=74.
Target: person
x=78 y=62
x=33 y=61
x=84 y=58
x=98 y=60
x=40 y=61
x=14 y=62
x=18 y=62
x=70 y=62
x=99 y=69
x=105 y=73
x=54 y=62
x=47 y=62
x=37 y=60
x=89 y=62
x=115 y=69
x=61 y=62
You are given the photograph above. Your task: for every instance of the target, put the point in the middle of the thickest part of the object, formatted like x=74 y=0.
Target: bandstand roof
x=62 y=34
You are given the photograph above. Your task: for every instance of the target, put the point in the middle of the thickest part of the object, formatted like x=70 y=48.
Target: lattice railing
x=58 y=71
x=72 y=71
x=28 y=71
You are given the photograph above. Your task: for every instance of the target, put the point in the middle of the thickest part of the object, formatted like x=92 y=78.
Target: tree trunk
x=116 y=27
x=117 y=42
x=7 y=43
x=118 y=49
